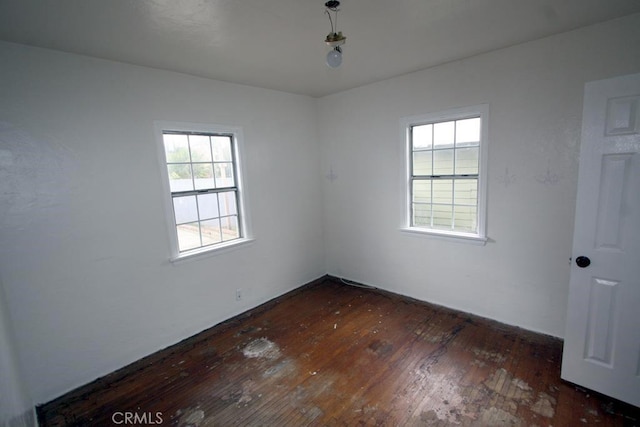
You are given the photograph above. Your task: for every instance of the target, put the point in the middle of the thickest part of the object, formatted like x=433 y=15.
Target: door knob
x=583 y=261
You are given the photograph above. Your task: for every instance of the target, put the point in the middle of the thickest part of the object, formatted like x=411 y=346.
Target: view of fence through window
x=444 y=175
x=203 y=184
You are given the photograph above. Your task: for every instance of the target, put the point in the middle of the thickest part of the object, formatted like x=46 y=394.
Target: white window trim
x=245 y=222
x=479 y=238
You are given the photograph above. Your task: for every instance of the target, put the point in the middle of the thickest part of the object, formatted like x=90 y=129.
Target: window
x=446 y=166
x=203 y=184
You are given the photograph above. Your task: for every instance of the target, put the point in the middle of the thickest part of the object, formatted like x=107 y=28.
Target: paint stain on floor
x=262 y=348
x=191 y=417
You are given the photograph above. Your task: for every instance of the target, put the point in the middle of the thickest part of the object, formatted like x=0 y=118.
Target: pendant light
x=334 y=39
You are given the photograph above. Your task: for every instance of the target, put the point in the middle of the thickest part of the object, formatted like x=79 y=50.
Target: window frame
x=406 y=124
x=244 y=224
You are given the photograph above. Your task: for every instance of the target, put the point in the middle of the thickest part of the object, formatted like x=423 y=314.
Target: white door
x=602 y=337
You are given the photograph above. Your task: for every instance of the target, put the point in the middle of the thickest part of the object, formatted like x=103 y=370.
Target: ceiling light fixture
x=334 y=39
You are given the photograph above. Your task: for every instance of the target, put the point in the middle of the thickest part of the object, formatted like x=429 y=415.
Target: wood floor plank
x=337 y=355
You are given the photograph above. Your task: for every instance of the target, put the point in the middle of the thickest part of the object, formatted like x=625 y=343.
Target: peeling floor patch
x=521 y=384
x=497 y=417
x=478 y=363
x=490 y=356
x=281 y=369
x=544 y=405
x=248 y=388
x=503 y=383
x=209 y=422
x=447 y=404
x=261 y=348
x=312 y=413
x=516 y=392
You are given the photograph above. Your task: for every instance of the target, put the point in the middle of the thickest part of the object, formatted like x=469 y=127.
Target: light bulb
x=334 y=58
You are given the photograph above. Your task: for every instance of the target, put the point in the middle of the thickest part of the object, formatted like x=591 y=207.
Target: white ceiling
x=279 y=44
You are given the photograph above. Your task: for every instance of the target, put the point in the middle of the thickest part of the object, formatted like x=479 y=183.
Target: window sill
x=472 y=239
x=211 y=251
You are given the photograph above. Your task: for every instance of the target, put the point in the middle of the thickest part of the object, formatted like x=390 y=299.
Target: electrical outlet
x=238 y=294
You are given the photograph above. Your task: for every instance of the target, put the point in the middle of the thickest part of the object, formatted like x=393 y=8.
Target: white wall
x=87 y=279
x=534 y=92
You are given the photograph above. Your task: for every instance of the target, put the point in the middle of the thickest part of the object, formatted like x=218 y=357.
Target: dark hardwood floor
x=331 y=354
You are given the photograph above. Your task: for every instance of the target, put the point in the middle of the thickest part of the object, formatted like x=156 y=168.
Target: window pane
x=443 y=162
x=422 y=136
x=188 y=236
x=465 y=218
x=176 y=148
x=468 y=132
x=443 y=134
x=445 y=170
x=422 y=162
x=185 y=209
x=180 y=177
x=224 y=175
x=198 y=166
x=443 y=191
x=203 y=176
x=421 y=215
x=200 y=148
x=210 y=232
x=442 y=216
x=466 y=192
x=422 y=191
x=208 y=206
x=229 y=228
x=467 y=161
x=221 y=148
x=227 y=202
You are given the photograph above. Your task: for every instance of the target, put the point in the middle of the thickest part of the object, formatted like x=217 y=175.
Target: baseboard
x=190 y=340
x=351 y=282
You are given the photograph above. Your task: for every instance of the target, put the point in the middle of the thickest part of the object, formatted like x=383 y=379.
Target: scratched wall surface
x=534 y=92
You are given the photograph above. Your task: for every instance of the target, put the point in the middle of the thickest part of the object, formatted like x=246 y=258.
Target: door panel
x=602 y=337
x=601 y=328
x=613 y=187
